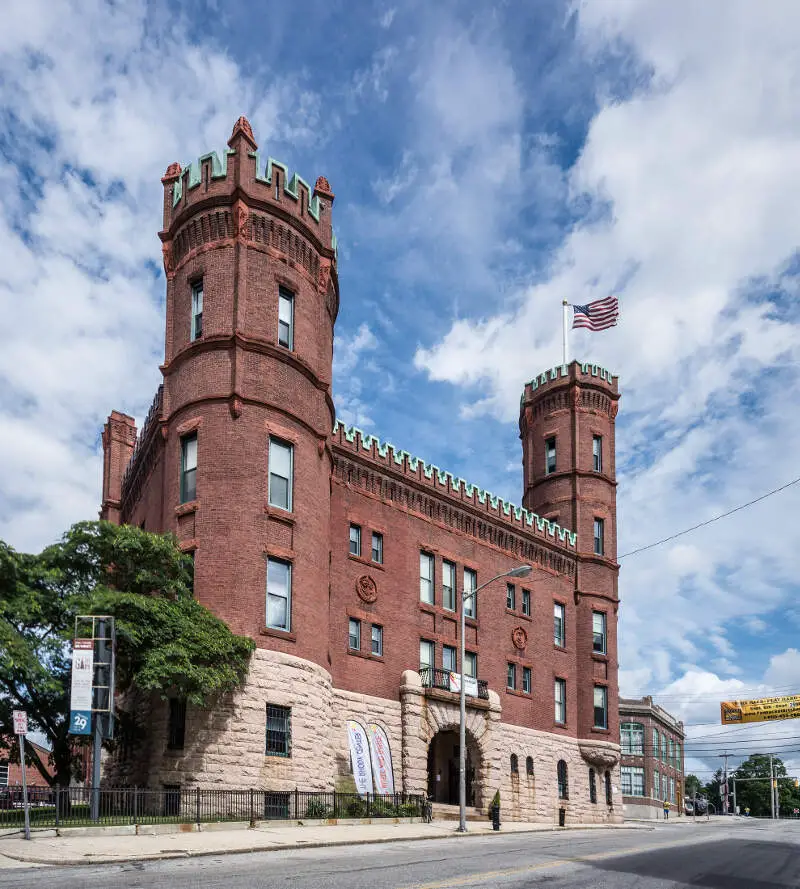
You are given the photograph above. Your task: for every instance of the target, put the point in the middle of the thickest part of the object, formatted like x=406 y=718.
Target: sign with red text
x=381 y=754
x=20 y=722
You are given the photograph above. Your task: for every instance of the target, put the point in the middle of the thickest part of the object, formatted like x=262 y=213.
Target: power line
x=723 y=515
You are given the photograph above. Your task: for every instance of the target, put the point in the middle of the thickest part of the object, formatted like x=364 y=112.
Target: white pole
x=24 y=788
x=565 y=326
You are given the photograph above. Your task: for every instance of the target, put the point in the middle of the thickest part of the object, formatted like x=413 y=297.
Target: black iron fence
x=433 y=677
x=72 y=806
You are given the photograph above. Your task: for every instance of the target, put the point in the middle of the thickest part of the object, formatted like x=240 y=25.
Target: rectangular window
x=526 y=680
x=599 y=632
x=559 y=625
x=672 y=790
x=526 y=602
x=426 y=649
x=377 y=640
x=449 y=586
x=470 y=585
x=655 y=744
x=279 y=731
x=355 y=634
x=471 y=664
x=426 y=578
x=177 y=723
x=189 y=468
x=279 y=595
x=600 y=706
x=597 y=453
x=664 y=755
x=281 y=458
x=511 y=676
x=632 y=779
x=599 y=537
x=561 y=701
x=449 y=659
x=550 y=455
x=632 y=737
x=678 y=762
x=511 y=597
x=286 y=318
x=197 y=311
x=377 y=548
x=355 y=540
x=671 y=754
x=656 y=784
x=3 y=774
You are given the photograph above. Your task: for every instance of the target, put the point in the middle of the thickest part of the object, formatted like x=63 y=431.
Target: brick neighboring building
x=343 y=556
x=11 y=772
x=652 y=759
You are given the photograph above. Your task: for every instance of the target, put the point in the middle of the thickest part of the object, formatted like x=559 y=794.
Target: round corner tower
x=252 y=298
x=567 y=427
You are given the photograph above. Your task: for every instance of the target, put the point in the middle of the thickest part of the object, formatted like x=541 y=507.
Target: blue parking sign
x=80 y=722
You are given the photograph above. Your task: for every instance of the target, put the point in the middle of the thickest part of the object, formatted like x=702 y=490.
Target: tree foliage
x=166 y=641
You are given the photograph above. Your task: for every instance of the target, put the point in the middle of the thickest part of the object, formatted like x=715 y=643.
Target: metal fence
x=71 y=806
x=433 y=677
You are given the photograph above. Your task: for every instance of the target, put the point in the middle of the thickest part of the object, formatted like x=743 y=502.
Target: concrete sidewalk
x=78 y=848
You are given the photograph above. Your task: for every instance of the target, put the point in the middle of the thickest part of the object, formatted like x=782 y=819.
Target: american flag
x=598 y=315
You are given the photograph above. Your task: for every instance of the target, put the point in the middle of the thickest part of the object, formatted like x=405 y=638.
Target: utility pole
x=725 y=799
x=771 y=787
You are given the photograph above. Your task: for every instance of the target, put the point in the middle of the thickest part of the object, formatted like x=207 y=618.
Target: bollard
x=562 y=816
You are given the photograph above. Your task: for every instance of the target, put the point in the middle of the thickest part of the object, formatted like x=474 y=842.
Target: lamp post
x=519 y=571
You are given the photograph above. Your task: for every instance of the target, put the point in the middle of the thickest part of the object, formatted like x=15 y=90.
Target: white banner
x=381 y=759
x=82 y=675
x=470 y=684
x=359 y=756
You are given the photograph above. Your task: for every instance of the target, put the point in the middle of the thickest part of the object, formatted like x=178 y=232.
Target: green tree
x=755 y=794
x=166 y=641
x=693 y=786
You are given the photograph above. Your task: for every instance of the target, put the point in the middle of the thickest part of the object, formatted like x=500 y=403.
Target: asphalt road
x=762 y=856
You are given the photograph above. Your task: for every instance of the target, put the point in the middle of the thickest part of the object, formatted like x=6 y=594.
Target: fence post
x=197 y=805
x=296 y=805
x=335 y=810
x=58 y=803
x=135 y=805
x=252 y=808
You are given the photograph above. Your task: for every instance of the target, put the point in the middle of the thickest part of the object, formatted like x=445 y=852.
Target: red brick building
x=343 y=556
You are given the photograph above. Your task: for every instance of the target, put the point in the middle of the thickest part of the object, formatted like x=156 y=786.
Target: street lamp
x=519 y=571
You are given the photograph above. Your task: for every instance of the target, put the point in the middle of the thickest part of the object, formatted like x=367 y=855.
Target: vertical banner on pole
x=381 y=754
x=80 y=707
x=359 y=756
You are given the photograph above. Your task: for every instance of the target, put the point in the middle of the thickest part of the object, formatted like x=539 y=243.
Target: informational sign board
x=381 y=754
x=359 y=756
x=470 y=684
x=760 y=710
x=80 y=707
x=20 y=722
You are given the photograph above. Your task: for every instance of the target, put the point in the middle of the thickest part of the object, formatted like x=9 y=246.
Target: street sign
x=20 y=722
x=80 y=707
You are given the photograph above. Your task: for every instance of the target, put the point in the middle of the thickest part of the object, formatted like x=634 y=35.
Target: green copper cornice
x=290 y=186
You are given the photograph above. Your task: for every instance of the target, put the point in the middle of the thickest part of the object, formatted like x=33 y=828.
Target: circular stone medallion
x=366 y=588
x=519 y=637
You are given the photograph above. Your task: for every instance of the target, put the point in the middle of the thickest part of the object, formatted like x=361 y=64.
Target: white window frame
x=627 y=776
x=526 y=603
x=599 y=536
x=469 y=603
x=449 y=589
x=196 y=329
x=355 y=539
x=376 y=639
x=4 y=774
x=599 y=618
x=354 y=624
x=601 y=694
x=560 y=614
x=597 y=453
x=277 y=449
x=511 y=597
x=471 y=664
x=657 y=784
x=426 y=645
x=188 y=465
x=427 y=571
x=286 y=308
x=632 y=738
x=275 y=594
x=527 y=680
x=548 y=452
x=450 y=653
x=560 y=697
x=511 y=677
x=377 y=547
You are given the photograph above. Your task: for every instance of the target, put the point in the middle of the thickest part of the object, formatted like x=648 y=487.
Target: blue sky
x=489 y=159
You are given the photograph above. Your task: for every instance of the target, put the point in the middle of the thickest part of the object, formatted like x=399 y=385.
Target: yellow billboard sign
x=760 y=710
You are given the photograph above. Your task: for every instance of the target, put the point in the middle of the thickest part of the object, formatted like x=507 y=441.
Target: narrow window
x=281 y=458
x=609 y=797
x=672 y=790
x=426 y=649
x=597 y=453
x=377 y=640
x=526 y=602
x=470 y=585
x=514 y=764
x=355 y=634
x=561 y=701
x=511 y=676
x=599 y=632
x=177 y=723
x=286 y=318
x=563 y=786
x=656 y=752
x=377 y=548
x=526 y=680
x=471 y=664
x=279 y=595
x=197 y=311
x=426 y=578
x=678 y=759
x=599 y=535
x=449 y=586
x=189 y=468
x=559 y=625
x=3 y=774
x=600 y=706
x=449 y=659
x=279 y=731
x=529 y=766
x=511 y=597
x=355 y=540
x=657 y=784
x=550 y=455
x=592 y=787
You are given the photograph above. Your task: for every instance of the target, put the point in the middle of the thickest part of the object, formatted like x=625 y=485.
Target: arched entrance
x=443 y=768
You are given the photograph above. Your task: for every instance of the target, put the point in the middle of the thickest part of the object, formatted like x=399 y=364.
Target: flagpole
x=565 y=324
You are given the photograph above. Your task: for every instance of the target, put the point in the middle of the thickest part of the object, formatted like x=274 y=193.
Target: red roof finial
x=173 y=172
x=243 y=126
x=323 y=187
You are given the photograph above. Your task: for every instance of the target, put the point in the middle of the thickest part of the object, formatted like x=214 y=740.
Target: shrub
x=316 y=808
x=356 y=808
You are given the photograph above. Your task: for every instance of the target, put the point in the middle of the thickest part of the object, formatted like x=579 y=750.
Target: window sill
x=518 y=694
x=279 y=634
x=599 y=730
x=471 y=622
x=378 y=566
x=366 y=655
x=282 y=515
x=186 y=508
x=557 y=724
x=600 y=655
x=558 y=647
x=427 y=607
x=174 y=751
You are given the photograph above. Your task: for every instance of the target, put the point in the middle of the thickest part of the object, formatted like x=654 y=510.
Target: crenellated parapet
x=445 y=483
x=582 y=372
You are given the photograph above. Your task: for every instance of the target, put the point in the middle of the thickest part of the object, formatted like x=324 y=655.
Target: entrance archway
x=443 y=768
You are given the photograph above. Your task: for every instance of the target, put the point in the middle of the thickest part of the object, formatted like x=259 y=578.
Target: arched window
x=592 y=787
x=514 y=764
x=609 y=800
x=563 y=788
x=529 y=766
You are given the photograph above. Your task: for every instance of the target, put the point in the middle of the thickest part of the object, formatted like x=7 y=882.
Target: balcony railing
x=433 y=677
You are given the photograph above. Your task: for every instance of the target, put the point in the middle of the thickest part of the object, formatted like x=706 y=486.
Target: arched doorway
x=443 y=768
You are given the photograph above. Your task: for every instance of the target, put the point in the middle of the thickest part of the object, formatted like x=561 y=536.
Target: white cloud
x=349 y=365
